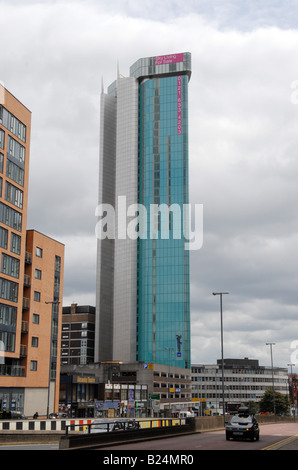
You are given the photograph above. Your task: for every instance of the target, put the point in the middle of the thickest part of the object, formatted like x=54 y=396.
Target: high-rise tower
x=142 y=306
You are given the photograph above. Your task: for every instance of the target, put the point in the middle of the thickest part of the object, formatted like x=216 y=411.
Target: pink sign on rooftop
x=168 y=59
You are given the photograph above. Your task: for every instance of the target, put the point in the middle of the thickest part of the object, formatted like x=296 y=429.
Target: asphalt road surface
x=282 y=436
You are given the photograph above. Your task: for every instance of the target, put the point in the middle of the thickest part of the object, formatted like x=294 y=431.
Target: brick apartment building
x=31 y=279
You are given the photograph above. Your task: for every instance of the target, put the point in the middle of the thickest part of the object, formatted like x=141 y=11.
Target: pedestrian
x=35 y=416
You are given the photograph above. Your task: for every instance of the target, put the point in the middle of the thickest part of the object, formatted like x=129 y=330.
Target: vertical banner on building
x=179 y=118
x=178 y=346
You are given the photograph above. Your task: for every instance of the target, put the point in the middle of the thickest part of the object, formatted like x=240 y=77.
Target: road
x=282 y=436
x=270 y=435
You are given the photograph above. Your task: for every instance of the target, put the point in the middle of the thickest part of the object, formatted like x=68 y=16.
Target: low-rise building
x=244 y=380
x=124 y=389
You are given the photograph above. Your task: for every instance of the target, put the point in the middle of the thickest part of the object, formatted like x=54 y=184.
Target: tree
x=267 y=403
x=253 y=407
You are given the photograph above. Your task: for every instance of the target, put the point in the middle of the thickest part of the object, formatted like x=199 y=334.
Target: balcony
x=28 y=258
x=26 y=303
x=12 y=371
x=25 y=326
x=27 y=280
x=23 y=350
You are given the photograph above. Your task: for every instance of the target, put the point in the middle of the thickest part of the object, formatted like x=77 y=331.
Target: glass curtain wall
x=163 y=313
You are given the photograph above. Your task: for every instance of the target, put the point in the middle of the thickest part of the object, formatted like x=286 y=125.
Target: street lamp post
x=53 y=302
x=292 y=397
x=222 y=355
x=273 y=388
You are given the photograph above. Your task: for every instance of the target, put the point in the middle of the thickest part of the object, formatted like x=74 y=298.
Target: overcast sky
x=243 y=147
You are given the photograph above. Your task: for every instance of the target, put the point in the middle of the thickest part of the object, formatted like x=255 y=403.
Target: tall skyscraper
x=142 y=305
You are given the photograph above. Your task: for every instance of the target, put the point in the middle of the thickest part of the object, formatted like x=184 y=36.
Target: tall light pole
x=273 y=389
x=53 y=302
x=292 y=389
x=222 y=355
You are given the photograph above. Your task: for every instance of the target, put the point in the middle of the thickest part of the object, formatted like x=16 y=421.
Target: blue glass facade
x=142 y=286
x=163 y=311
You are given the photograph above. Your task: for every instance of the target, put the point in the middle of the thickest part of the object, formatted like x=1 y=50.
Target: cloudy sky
x=243 y=116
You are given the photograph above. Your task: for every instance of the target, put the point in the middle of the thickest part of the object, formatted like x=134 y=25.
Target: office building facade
x=142 y=306
x=77 y=338
x=244 y=381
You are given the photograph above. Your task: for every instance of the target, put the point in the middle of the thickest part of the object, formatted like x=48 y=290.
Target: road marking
x=280 y=443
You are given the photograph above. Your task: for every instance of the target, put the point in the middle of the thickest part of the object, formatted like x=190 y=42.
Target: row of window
x=8 y=315
x=15 y=160
x=15 y=241
x=10 y=266
x=16 y=150
x=10 y=217
x=8 y=290
x=12 y=194
x=240 y=379
x=8 y=339
x=12 y=124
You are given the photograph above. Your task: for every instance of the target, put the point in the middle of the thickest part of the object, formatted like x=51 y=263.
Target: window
x=35 y=319
x=15 y=243
x=34 y=342
x=38 y=252
x=1 y=139
x=12 y=124
x=33 y=365
x=8 y=340
x=37 y=296
x=8 y=315
x=8 y=290
x=3 y=238
x=10 y=217
x=10 y=266
x=57 y=264
x=16 y=150
x=14 y=172
x=37 y=274
x=14 y=195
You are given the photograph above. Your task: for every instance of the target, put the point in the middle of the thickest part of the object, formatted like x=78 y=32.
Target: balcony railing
x=27 y=280
x=23 y=350
x=25 y=325
x=28 y=258
x=13 y=371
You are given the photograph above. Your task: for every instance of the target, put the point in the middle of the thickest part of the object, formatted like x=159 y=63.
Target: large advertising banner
x=169 y=59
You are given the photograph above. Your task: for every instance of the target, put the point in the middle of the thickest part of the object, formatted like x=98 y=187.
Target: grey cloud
x=243 y=141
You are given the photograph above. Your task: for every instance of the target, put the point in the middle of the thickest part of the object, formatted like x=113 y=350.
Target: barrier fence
x=76 y=424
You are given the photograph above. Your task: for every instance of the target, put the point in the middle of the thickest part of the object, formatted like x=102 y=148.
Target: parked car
x=12 y=415
x=243 y=425
x=102 y=425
